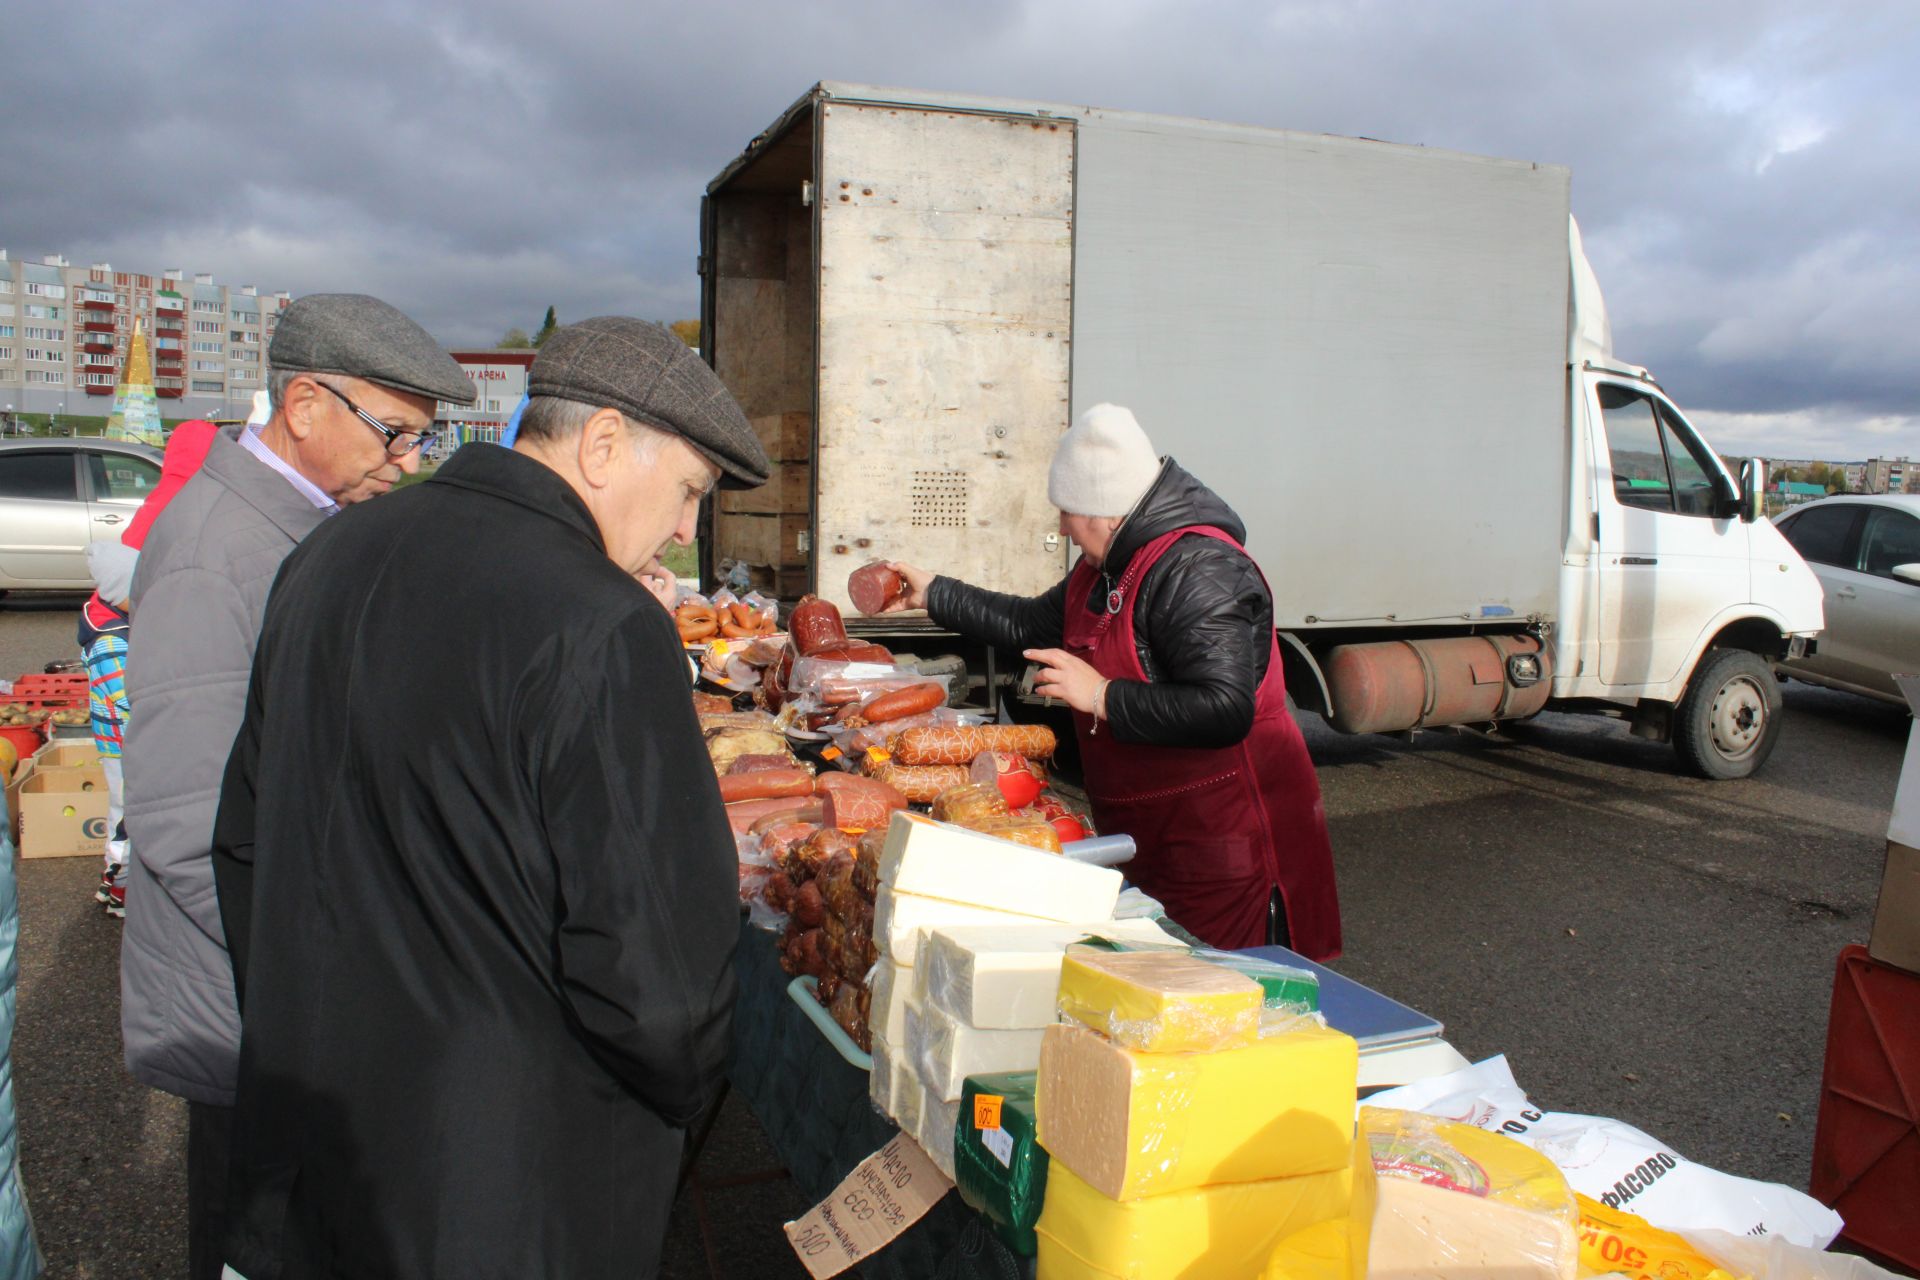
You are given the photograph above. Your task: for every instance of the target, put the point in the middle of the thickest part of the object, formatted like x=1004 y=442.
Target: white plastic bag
x=1617 y=1164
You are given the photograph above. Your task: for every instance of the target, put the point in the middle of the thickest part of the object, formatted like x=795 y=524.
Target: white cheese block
x=945 y=1050
x=935 y=1135
x=1421 y=1232
x=881 y=1079
x=1007 y=976
x=899 y=918
x=938 y=860
x=887 y=1016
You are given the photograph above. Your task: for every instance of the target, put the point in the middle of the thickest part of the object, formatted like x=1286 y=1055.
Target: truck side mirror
x=1907 y=573
x=1753 y=490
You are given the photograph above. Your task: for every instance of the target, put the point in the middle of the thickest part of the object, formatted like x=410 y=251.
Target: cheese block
x=1133 y=1124
x=1008 y=976
x=899 y=918
x=880 y=1077
x=1320 y=1252
x=890 y=986
x=907 y=1097
x=938 y=1119
x=1433 y=1197
x=945 y=1050
x=938 y=860
x=1159 y=1001
x=1228 y=1229
x=1000 y=1168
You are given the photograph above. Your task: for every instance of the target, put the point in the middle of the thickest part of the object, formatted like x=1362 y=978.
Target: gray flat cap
x=641 y=369
x=363 y=337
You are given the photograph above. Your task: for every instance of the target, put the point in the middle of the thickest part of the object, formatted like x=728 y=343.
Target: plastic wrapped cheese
x=1227 y=1229
x=1158 y=1001
x=1132 y=1124
x=936 y=860
x=999 y=1165
x=1007 y=975
x=1320 y=1252
x=1433 y=1197
x=945 y=1050
x=1287 y=990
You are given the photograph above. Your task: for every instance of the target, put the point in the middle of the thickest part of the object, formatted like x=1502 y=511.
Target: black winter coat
x=1203 y=621
x=480 y=894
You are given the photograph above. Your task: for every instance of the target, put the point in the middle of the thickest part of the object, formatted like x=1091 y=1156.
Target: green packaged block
x=1002 y=1172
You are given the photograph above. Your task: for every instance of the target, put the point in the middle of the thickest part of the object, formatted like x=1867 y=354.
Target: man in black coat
x=471 y=858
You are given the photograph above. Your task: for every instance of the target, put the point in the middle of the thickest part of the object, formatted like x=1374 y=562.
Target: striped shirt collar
x=250 y=441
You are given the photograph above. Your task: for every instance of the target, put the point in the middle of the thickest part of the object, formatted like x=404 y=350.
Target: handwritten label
x=1000 y=1142
x=986 y=1110
x=885 y=1194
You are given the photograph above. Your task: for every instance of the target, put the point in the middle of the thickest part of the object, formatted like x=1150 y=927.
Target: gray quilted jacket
x=198 y=596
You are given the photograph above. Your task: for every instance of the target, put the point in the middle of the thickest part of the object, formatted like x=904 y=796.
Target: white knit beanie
x=1103 y=465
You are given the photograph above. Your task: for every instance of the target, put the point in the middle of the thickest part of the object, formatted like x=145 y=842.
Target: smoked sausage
x=901 y=703
x=766 y=784
x=959 y=744
x=872 y=587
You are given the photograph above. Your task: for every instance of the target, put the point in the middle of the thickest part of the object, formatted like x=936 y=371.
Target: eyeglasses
x=399 y=443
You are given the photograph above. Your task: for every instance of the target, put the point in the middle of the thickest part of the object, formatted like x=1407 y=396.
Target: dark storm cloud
x=1740 y=169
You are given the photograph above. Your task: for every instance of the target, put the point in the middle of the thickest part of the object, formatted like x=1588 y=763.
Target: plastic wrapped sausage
x=921 y=783
x=971 y=804
x=961 y=743
x=872 y=587
x=915 y=699
x=766 y=784
x=815 y=624
x=759 y=763
x=862 y=810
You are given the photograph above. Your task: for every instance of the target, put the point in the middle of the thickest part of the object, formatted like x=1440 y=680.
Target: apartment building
x=1891 y=475
x=65 y=332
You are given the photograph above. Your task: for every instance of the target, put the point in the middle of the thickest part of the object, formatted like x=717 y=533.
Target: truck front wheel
x=1727 y=723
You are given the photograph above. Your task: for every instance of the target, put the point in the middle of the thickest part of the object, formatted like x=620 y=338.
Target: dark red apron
x=1217 y=828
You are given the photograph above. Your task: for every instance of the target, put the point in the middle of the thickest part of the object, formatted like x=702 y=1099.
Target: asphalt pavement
x=1639 y=944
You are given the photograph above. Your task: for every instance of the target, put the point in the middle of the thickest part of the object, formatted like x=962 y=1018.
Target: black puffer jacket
x=1202 y=621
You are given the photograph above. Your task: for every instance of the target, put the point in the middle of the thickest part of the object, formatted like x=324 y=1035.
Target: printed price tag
x=831 y=753
x=878 y=755
x=885 y=1194
x=1000 y=1142
x=986 y=1110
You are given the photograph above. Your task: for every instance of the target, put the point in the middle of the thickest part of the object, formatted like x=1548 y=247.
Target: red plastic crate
x=1866 y=1146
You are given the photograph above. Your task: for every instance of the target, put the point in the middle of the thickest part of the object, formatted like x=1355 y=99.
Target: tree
x=515 y=339
x=547 y=327
x=688 y=331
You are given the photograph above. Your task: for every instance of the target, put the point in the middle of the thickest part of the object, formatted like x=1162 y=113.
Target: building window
x=201 y=304
x=41 y=333
x=206 y=326
x=6 y=308
x=206 y=366
x=203 y=387
x=39 y=311
x=47 y=355
x=6 y=353
x=46 y=290
x=6 y=286
x=47 y=375
x=211 y=348
x=6 y=331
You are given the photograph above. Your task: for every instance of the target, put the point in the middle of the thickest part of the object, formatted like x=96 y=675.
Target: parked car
x=1865 y=549
x=56 y=496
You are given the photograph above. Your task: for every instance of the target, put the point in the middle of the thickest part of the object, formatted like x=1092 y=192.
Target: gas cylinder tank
x=1390 y=686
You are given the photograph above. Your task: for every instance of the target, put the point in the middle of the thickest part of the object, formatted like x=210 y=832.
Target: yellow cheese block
x=1134 y=1124
x=1433 y=1198
x=1320 y=1252
x=1227 y=1229
x=1159 y=1001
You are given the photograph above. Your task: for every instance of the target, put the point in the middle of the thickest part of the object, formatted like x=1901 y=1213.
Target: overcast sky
x=1744 y=171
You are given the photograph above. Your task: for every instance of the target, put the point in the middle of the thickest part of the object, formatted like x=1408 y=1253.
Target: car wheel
x=1728 y=722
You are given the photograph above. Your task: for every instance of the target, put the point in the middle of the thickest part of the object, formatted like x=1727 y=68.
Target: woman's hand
x=661 y=585
x=1067 y=678
x=917 y=580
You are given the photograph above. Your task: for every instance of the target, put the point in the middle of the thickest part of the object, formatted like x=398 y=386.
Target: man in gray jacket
x=353 y=385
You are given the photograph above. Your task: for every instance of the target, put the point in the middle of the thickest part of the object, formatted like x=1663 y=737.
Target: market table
x=814 y=1106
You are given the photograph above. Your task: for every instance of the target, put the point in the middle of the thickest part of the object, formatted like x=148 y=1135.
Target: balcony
x=163 y=303
x=95 y=304
x=93 y=390
x=98 y=326
x=98 y=364
x=169 y=393
x=168 y=329
x=98 y=348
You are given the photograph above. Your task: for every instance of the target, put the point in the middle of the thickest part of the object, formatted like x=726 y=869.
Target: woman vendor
x=1161 y=640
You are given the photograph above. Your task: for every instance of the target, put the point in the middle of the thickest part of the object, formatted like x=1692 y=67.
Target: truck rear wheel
x=1726 y=725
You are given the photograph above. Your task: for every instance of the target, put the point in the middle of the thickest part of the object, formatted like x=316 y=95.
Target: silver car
x=56 y=496
x=1865 y=549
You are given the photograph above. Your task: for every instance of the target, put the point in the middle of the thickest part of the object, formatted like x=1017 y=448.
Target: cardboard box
x=62 y=810
x=1896 y=921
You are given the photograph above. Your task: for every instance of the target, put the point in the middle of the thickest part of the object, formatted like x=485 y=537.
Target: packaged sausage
x=1035 y=833
x=1018 y=778
x=814 y=625
x=920 y=784
x=872 y=587
x=959 y=745
x=970 y=805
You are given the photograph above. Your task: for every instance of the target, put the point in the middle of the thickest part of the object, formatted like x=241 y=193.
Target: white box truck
x=1393 y=361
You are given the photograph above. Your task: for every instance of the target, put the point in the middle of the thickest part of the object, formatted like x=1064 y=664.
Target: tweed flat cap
x=362 y=337
x=641 y=369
